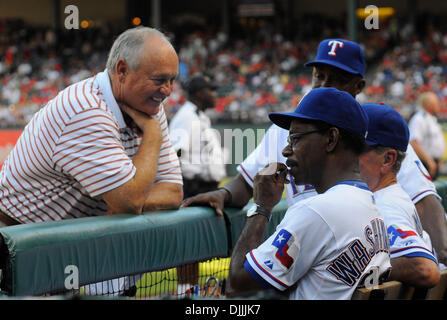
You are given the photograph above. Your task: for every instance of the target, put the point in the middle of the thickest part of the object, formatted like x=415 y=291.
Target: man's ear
x=389 y=159
x=359 y=86
x=121 y=70
x=333 y=137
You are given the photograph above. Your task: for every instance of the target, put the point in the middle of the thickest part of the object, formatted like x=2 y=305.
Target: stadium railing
x=39 y=258
x=71 y=256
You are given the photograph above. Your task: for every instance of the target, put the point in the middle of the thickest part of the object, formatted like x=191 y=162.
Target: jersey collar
x=107 y=95
x=355 y=183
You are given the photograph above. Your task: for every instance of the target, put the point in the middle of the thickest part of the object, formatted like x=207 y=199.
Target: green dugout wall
x=239 y=140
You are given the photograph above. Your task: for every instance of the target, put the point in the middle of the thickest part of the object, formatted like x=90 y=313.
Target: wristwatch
x=257 y=209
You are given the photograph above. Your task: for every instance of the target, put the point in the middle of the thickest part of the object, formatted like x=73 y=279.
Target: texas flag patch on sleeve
x=287 y=251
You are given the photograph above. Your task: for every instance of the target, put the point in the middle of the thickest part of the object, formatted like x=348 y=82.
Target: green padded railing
x=108 y=247
x=34 y=256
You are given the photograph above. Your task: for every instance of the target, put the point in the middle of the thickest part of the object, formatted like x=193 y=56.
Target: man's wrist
x=228 y=195
x=257 y=209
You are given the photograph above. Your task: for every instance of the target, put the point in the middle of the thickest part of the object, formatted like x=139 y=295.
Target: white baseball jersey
x=326 y=245
x=74 y=149
x=412 y=176
x=407 y=238
x=202 y=155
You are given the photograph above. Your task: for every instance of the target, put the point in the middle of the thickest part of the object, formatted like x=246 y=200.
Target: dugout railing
x=44 y=258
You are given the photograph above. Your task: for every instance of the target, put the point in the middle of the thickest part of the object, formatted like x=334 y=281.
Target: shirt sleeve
x=90 y=151
x=405 y=239
x=414 y=177
x=269 y=150
x=291 y=251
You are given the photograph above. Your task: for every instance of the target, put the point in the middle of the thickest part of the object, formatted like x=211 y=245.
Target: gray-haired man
x=101 y=146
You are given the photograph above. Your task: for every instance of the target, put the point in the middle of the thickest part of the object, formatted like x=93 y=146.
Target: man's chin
x=297 y=178
x=152 y=110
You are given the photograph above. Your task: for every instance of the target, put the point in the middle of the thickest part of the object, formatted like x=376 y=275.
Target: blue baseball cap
x=386 y=127
x=343 y=54
x=330 y=105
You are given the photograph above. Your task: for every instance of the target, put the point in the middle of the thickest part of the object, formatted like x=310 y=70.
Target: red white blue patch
x=283 y=241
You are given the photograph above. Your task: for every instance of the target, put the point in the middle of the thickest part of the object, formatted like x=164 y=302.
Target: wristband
x=230 y=195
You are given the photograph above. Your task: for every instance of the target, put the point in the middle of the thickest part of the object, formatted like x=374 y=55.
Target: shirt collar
x=107 y=94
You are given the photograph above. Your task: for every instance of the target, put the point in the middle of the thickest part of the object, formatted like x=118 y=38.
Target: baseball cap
x=330 y=105
x=197 y=83
x=386 y=127
x=343 y=54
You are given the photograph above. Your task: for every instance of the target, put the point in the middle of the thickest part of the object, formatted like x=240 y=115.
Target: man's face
x=370 y=164
x=324 y=75
x=152 y=82
x=303 y=152
x=208 y=98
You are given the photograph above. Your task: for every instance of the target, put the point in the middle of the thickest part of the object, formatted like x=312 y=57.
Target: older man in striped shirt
x=101 y=146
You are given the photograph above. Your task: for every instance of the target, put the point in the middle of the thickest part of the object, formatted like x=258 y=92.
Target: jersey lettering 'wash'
x=76 y=148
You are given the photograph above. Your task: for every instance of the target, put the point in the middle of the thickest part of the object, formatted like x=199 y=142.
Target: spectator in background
x=196 y=143
x=426 y=136
x=200 y=152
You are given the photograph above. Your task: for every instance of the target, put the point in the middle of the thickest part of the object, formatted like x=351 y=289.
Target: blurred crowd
x=414 y=64
x=35 y=63
x=255 y=76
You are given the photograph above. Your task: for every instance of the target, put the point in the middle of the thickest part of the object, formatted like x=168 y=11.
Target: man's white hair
x=129 y=46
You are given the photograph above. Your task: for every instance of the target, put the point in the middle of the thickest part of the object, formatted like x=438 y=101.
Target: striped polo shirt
x=74 y=149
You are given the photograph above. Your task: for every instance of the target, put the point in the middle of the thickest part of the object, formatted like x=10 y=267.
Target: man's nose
x=166 y=88
x=287 y=151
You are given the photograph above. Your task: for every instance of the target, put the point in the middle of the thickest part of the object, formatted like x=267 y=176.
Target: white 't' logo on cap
x=334 y=44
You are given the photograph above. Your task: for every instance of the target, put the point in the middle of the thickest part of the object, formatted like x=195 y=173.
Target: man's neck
x=339 y=169
x=385 y=181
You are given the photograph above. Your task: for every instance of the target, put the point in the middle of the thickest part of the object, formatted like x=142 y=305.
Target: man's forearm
x=433 y=220
x=241 y=192
x=250 y=238
x=132 y=195
x=164 y=196
x=420 y=151
x=417 y=271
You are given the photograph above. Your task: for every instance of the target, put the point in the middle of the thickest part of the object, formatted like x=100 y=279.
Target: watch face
x=252 y=210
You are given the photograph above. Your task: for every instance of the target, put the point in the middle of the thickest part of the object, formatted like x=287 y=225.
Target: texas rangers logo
x=334 y=44
x=283 y=241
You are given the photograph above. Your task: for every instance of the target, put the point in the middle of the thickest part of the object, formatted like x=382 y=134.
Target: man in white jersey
x=101 y=146
x=331 y=243
x=339 y=64
x=412 y=258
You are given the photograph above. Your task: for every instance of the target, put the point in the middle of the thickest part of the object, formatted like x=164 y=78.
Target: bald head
x=430 y=102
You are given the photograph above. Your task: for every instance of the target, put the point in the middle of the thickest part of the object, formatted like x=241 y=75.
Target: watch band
x=257 y=209
x=230 y=195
